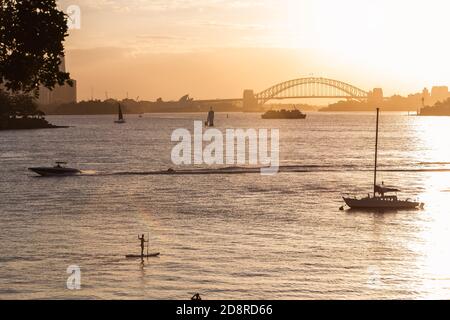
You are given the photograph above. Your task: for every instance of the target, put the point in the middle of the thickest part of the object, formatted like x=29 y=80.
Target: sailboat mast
x=376 y=157
x=120 y=112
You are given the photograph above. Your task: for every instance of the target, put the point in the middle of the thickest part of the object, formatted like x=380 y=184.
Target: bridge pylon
x=250 y=102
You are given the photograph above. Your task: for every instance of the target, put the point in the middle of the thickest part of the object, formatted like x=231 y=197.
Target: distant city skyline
x=215 y=49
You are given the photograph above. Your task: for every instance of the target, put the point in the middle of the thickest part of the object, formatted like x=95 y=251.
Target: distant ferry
x=284 y=114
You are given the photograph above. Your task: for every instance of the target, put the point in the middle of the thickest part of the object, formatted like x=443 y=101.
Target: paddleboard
x=135 y=256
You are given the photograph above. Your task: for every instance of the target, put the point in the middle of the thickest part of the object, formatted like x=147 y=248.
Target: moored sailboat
x=379 y=199
x=121 y=119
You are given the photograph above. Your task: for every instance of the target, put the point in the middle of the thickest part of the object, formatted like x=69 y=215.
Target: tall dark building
x=60 y=94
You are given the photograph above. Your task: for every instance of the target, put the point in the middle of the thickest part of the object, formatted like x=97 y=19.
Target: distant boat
x=380 y=200
x=58 y=170
x=284 y=114
x=121 y=119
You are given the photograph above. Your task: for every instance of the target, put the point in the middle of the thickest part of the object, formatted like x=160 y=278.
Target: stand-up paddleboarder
x=143 y=241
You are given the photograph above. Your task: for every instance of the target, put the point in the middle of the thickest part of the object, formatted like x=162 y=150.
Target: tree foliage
x=4 y=104
x=445 y=103
x=32 y=33
x=18 y=104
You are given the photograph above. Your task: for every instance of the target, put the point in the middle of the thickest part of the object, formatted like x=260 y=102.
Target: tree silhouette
x=23 y=105
x=17 y=105
x=32 y=33
x=5 y=108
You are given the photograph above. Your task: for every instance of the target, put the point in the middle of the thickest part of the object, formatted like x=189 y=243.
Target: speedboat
x=57 y=171
x=379 y=199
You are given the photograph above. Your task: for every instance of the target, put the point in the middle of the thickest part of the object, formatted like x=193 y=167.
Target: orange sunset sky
x=217 y=48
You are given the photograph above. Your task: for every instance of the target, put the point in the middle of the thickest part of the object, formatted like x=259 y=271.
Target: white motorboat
x=379 y=199
x=57 y=170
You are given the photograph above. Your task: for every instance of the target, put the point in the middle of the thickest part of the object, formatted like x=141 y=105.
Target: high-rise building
x=250 y=103
x=376 y=97
x=60 y=94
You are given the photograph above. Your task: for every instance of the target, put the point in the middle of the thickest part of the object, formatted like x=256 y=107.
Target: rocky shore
x=25 y=124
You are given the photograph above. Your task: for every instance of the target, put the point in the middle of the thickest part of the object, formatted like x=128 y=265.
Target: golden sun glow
x=433 y=224
x=396 y=37
x=398 y=45
x=433 y=133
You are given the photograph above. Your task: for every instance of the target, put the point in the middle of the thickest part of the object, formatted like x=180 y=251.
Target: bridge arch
x=311 y=88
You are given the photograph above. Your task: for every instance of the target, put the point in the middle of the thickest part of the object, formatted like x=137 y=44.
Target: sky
x=217 y=48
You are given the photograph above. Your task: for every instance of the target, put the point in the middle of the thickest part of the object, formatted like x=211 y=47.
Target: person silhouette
x=143 y=241
x=196 y=297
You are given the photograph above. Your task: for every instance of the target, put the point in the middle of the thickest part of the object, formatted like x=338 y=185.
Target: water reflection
x=227 y=235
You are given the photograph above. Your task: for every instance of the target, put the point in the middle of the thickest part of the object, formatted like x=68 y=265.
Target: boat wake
x=257 y=170
x=88 y=173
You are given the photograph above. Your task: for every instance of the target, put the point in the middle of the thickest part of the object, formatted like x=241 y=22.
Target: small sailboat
x=380 y=200
x=121 y=119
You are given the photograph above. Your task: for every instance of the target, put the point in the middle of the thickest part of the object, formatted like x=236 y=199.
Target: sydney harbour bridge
x=306 y=88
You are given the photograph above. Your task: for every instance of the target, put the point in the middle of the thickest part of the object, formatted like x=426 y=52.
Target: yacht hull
x=280 y=117
x=380 y=203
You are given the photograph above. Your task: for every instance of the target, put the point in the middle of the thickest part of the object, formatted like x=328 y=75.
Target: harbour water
x=226 y=236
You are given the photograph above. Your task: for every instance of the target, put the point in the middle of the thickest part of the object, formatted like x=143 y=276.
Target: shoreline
x=13 y=124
